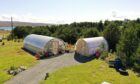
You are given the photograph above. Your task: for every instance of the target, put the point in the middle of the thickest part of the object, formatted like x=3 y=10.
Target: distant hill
x=17 y=23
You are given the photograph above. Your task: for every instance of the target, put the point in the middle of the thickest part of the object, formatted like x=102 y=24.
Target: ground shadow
x=138 y=75
x=83 y=59
x=123 y=73
x=31 y=53
x=42 y=57
x=49 y=57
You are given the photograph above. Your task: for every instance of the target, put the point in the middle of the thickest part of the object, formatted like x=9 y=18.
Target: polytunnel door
x=55 y=47
x=81 y=48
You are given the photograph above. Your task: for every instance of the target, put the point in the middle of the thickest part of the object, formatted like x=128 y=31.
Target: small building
x=89 y=46
x=41 y=45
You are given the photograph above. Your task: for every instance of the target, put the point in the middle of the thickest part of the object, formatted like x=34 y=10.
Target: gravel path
x=37 y=73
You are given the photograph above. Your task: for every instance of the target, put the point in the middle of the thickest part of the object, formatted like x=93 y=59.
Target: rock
x=19 y=70
x=11 y=72
x=16 y=71
x=105 y=82
x=23 y=68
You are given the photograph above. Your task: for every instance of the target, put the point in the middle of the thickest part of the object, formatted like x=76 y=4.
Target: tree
x=112 y=35
x=21 y=31
x=138 y=20
x=100 y=26
x=69 y=35
x=128 y=44
x=136 y=60
x=92 y=32
x=41 y=31
x=106 y=23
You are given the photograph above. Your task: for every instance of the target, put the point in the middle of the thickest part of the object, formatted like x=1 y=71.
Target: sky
x=68 y=11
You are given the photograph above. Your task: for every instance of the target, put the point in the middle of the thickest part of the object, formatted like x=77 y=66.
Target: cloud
x=23 y=18
x=110 y=15
x=31 y=18
x=121 y=15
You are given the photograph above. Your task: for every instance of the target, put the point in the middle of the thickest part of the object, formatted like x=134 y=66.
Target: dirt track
x=37 y=73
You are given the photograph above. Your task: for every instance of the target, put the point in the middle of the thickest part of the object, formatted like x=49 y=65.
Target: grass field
x=4 y=33
x=11 y=54
x=94 y=72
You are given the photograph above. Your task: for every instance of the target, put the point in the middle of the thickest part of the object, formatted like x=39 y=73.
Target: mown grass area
x=94 y=72
x=11 y=54
x=4 y=33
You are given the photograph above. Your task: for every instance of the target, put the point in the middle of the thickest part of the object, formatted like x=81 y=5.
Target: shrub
x=0 y=40
x=112 y=35
x=136 y=60
x=13 y=68
x=18 y=40
x=92 y=32
x=3 y=43
x=128 y=45
x=9 y=38
x=104 y=55
x=136 y=67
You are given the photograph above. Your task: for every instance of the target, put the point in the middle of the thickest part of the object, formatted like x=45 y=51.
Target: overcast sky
x=67 y=11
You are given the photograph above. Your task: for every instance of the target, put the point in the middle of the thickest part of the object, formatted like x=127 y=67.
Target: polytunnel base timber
x=43 y=57
x=83 y=59
x=31 y=53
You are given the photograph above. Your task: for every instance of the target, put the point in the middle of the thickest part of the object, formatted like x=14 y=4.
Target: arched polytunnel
x=88 y=46
x=40 y=44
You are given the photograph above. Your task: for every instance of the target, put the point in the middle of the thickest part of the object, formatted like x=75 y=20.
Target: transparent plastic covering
x=96 y=42
x=40 y=44
x=38 y=41
x=88 y=46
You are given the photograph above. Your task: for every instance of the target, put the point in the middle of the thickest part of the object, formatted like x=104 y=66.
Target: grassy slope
x=94 y=72
x=11 y=54
x=4 y=32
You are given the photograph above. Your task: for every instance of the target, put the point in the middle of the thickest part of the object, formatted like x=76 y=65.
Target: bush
x=136 y=60
x=112 y=35
x=18 y=40
x=0 y=40
x=104 y=55
x=13 y=68
x=137 y=67
x=9 y=38
x=3 y=43
x=128 y=45
x=92 y=32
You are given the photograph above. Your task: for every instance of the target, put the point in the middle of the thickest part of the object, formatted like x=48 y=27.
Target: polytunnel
x=41 y=45
x=89 y=46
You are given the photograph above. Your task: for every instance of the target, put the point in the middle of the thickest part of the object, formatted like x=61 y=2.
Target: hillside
x=13 y=56
x=94 y=72
x=17 y=23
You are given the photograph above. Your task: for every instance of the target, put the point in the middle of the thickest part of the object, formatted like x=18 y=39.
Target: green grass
x=11 y=54
x=94 y=72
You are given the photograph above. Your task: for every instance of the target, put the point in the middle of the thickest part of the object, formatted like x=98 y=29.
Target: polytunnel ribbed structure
x=43 y=44
x=88 y=46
